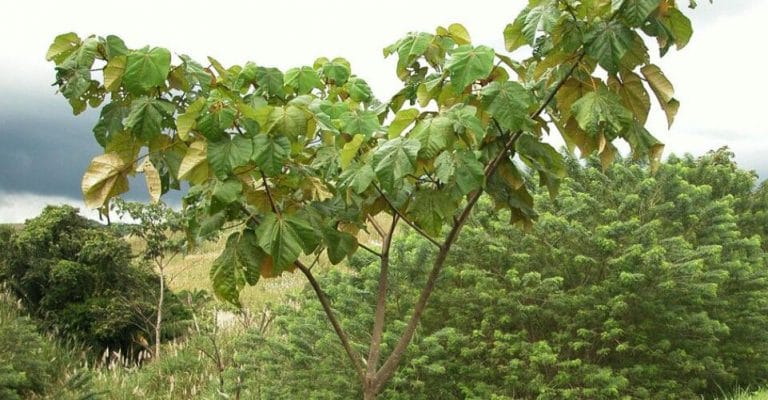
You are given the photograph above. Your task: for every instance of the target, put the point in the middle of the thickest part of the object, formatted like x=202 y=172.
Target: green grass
x=749 y=395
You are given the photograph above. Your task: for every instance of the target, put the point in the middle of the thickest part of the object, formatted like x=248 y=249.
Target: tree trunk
x=369 y=393
x=159 y=321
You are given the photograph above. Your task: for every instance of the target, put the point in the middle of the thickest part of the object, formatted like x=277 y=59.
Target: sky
x=44 y=149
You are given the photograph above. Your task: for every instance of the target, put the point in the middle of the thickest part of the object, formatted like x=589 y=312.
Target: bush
x=78 y=279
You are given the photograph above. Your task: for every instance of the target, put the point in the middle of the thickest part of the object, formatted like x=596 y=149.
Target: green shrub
x=78 y=279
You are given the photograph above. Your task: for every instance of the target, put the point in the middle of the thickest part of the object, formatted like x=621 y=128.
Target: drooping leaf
x=663 y=90
x=633 y=94
x=470 y=174
x=152 y=179
x=430 y=209
x=186 y=121
x=680 y=26
x=466 y=124
x=284 y=237
x=357 y=177
x=194 y=165
x=349 y=151
x=113 y=73
x=270 y=153
x=468 y=64
x=459 y=34
x=339 y=244
x=104 y=178
x=62 y=46
x=359 y=90
x=239 y=263
x=146 y=68
x=636 y=11
x=514 y=37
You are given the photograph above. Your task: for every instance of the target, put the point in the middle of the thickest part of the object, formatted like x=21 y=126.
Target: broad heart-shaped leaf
x=601 y=109
x=338 y=72
x=339 y=244
x=542 y=17
x=104 y=178
x=186 y=121
x=430 y=209
x=270 y=81
x=284 y=237
x=402 y=119
x=152 y=179
x=644 y=145
x=508 y=103
x=363 y=122
x=303 y=79
x=680 y=26
x=270 y=153
x=110 y=122
x=238 y=264
x=357 y=177
x=395 y=159
x=663 y=90
x=115 y=47
x=636 y=11
x=226 y=154
x=146 y=68
x=514 y=38
x=359 y=90
x=465 y=121
x=62 y=46
x=194 y=165
x=146 y=117
x=228 y=192
x=633 y=94
x=470 y=173
x=349 y=151
x=468 y=64
x=289 y=120
x=434 y=134
x=608 y=42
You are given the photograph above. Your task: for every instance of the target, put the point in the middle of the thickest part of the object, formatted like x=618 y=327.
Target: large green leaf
x=145 y=119
x=303 y=80
x=110 y=122
x=146 y=68
x=633 y=94
x=271 y=81
x=466 y=124
x=359 y=90
x=362 y=122
x=468 y=64
x=226 y=154
x=636 y=11
x=284 y=237
x=270 y=153
x=357 y=177
x=395 y=159
x=608 y=42
x=62 y=46
x=601 y=109
x=339 y=244
x=434 y=134
x=238 y=264
x=680 y=26
x=289 y=120
x=508 y=103
x=430 y=209
x=470 y=173
x=514 y=37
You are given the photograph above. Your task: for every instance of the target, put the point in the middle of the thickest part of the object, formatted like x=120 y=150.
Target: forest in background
x=630 y=284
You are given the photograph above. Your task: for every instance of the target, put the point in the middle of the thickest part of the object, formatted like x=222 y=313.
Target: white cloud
x=17 y=207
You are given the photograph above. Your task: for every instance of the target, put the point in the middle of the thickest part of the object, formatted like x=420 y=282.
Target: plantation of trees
x=448 y=250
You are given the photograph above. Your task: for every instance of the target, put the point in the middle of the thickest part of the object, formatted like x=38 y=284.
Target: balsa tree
x=301 y=160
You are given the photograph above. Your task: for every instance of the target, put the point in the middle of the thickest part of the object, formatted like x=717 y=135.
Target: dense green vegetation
x=78 y=279
x=631 y=284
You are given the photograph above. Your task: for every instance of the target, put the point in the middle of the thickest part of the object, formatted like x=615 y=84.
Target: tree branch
x=407 y=221
x=381 y=304
x=388 y=368
x=356 y=359
x=269 y=195
x=370 y=250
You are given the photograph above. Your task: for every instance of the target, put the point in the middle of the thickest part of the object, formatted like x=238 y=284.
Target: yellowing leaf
x=459 y=34
x=104 y=178
x=350 y=149
x=185 y=122
x=663 y=90
x=113 y=73
x=152 y=178
x=194 y=165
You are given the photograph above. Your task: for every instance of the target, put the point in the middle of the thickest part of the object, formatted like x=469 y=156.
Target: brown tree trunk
x=159 y=320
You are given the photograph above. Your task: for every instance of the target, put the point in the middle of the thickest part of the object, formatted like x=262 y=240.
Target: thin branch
x=376 y=226
x=370 y=250
x=407 y=221
x=269 y=195
x=351 y=353
x=314 y=262
x=381 y=304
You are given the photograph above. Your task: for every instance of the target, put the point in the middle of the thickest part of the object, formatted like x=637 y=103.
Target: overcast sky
x=44 y=149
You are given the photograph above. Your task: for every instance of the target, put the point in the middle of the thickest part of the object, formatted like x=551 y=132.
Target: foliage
x=631 y=285
x=78 y=279
x=33 y=365
x=299 y=161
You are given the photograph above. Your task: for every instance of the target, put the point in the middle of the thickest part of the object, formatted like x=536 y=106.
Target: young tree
x=160 y=228
x=304 y=159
